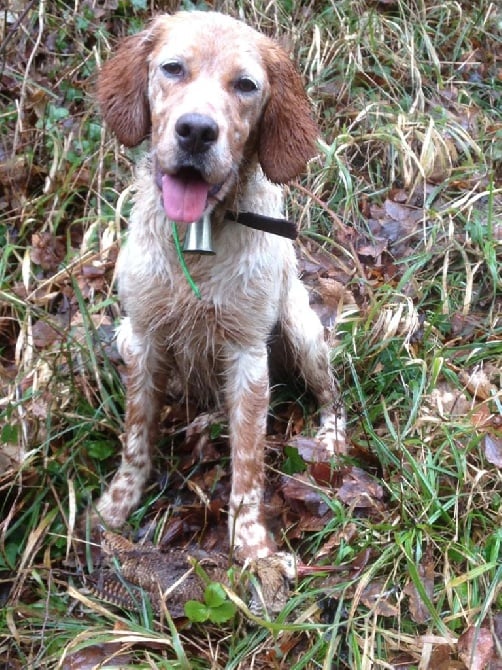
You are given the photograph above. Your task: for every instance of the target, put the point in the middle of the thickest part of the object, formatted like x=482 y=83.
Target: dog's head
x=213 y=94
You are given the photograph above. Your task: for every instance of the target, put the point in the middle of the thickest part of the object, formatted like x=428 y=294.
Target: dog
x=229 y=122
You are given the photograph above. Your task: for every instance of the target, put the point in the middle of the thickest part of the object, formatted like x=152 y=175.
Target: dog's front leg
x=305 y=335
x=247 y=396
x=145 y=386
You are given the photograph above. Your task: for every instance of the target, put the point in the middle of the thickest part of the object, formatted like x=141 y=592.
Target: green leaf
x=196 y=611
x=215 y=431
x=294 y=463
x=214 y=595
x=222 y=613
x=9 y=434
x=100 y=449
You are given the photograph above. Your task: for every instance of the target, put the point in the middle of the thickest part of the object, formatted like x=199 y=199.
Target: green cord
x=181 y=259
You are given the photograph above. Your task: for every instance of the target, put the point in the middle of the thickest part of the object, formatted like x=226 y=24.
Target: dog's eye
x=246 y=85
x=173 y=68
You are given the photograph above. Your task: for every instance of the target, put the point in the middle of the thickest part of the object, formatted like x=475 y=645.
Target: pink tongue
x=184 y=198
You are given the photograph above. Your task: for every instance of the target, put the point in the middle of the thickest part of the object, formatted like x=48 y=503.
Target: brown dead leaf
x=346 y=535
x=395 y=225
x=310 y=449
x=360 y=561
x=418 y=609
x=448 y=401
x=378 y=598
x=310 y=523
x=94 y=270
x=11 y=456
x=299 y=489
x=478 y=384
x=440 y=658
x=482 y=417
x=403 y=661
x=325 y=475
x=399 y=195
x=374 y=250
x=463 y=326
x=401 y=212
x=497 y=627
x=333 y=292
x=13 y=170
x=476 y=647
x=172 y=531
x=44 y=334
x=493 y=449
x=47 y=250
x=359 y=488
x=96 y=656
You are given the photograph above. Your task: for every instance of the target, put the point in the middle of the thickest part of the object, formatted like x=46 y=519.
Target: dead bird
x=172 y=578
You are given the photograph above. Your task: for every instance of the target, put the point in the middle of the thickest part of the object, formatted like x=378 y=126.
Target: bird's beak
x=304 y=570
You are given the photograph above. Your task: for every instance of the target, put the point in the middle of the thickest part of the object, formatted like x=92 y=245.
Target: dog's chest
x=200 y=336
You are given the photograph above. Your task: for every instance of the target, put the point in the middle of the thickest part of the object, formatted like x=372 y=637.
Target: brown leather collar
x=281 y=227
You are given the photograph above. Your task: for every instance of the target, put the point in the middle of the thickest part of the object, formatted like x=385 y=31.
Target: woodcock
x=169 y=578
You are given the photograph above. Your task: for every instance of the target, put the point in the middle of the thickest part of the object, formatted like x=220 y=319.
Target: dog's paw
x=332 y=433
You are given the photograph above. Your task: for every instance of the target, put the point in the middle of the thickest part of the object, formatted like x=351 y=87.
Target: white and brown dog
x=228 y=120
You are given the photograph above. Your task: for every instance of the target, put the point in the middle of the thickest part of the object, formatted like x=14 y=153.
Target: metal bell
x=198 y=237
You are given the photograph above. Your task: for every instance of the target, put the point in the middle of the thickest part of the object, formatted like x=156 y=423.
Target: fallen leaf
x=418 y=609
x=359 y=488
x=47 y=250
x=440 y=657
x=493 y=449
x=360 y=561
x=333 y=292
x=325 y=475
x=476 y=647
x=44 y=334
x=497 y=627
x=96 y=656
x=448 y=401
x=300 y=489
x=481 y=416
x=346 y=535
x=399 y=212
x=372 y=250
x=310 y=523
x=403 y=661
x=376 y=596
x=478 y=384
x=309 y=448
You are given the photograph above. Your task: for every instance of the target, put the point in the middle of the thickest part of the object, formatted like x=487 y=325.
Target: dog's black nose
x=196 y=133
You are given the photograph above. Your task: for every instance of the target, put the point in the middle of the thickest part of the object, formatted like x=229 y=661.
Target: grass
x=404 y=205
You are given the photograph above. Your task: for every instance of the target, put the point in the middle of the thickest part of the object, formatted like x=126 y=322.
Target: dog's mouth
x=185 y=194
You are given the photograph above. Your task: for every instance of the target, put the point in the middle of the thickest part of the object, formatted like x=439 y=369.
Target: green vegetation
x=216 y=607
x=401 y=239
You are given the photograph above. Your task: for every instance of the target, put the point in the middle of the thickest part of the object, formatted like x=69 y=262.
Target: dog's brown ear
x=287 y=133
x=123 y=89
